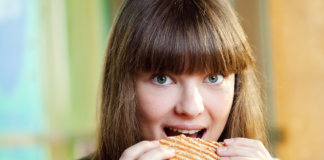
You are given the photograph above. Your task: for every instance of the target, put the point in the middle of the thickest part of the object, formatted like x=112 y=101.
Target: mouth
x=189 y=133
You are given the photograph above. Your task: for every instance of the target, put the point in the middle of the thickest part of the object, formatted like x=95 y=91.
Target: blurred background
x=51 y=56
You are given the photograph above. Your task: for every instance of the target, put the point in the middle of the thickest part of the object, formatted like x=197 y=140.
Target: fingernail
x=228 y=141
x=222 y=149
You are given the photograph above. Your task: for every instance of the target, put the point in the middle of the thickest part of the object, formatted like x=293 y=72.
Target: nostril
x=189 y=110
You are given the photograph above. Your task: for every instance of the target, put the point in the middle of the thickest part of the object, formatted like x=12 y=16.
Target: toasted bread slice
x=187 y=148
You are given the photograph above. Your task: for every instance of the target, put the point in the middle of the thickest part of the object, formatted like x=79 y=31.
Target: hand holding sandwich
x=182 y=147
x=243 y=149
x=147 y=150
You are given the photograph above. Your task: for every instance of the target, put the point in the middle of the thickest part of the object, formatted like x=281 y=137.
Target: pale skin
x=188 y=103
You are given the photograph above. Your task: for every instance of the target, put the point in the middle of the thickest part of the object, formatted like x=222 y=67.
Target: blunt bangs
x=189 y=37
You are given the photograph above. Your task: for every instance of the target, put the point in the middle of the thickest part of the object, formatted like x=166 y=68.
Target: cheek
x=152 y=107
x=220 y=104
x=220 y=107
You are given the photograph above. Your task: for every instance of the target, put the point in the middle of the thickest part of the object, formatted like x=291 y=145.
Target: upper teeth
x=184 y=131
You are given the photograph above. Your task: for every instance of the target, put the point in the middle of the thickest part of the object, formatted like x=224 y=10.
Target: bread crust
x=187 y=148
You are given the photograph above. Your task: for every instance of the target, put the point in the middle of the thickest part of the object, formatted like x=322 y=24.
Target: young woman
x=179 y=67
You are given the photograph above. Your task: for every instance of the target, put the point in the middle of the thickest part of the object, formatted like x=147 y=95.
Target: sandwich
x=187 y=148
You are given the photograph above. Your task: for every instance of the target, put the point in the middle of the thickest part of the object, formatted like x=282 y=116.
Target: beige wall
x=289 y=45
x=298 y=62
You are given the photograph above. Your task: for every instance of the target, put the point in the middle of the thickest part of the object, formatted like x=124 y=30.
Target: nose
x=190 y=103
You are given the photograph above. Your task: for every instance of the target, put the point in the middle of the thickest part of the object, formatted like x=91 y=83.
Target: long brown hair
x=177 y=36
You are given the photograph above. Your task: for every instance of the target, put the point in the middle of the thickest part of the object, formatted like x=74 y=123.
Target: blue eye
x=162 y=80
x=214 y=79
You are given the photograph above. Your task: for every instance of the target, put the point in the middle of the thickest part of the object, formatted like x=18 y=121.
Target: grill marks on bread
x=187 y=148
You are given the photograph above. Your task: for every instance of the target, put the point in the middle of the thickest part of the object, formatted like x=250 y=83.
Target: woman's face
x=196 y=105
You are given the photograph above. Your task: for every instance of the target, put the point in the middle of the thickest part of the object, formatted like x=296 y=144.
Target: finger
x=239 y=151
x=138 y=149
x=158 y=154
x=256 y=144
